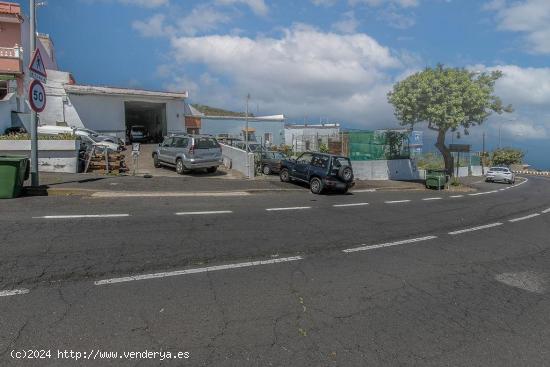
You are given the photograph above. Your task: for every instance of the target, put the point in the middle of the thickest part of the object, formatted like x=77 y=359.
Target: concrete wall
x=401 y=169
x=6 y=106
x=53 y=155
x=237 y=159
x=235 y=129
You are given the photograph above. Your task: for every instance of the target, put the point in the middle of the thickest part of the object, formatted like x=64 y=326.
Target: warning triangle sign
x=37 y=64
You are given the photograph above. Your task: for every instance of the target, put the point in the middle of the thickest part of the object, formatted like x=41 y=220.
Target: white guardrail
x=238 y=159
x=535 y=173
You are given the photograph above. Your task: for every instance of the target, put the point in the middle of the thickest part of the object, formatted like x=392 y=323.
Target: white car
x=78 y=131
x=502 y=174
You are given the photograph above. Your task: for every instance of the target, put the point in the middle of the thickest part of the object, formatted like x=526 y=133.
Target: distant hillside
x=213 y=111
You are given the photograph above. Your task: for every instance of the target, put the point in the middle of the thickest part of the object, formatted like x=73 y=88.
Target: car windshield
x=277 y=155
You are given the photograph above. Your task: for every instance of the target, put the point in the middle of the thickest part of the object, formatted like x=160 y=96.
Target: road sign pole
x=34 y=128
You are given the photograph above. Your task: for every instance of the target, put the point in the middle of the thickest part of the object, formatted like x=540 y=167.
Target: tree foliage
x=507 y=157
x=446 y=99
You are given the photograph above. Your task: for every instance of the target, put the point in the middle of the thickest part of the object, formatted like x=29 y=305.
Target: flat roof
x=274 y=118
x=115 y=91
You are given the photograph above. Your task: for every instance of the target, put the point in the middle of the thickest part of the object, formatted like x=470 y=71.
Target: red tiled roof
x=10 y=8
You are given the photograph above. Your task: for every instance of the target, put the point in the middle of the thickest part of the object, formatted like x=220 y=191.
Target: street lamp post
x=34 y=118
x=246 y=117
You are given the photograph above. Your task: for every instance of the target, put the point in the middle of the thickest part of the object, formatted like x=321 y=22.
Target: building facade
x=311 y=137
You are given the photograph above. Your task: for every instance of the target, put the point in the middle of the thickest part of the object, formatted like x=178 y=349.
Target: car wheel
x=180 y=168
x=266 y=170
x=211 y=169
x=156 y=161
x=284 y=175
x=316 y=185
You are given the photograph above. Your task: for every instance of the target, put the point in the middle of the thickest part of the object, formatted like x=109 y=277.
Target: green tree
x=507 y=157
x=446 y=99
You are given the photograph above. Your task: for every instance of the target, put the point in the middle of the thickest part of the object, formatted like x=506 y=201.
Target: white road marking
x=148 y=194
x=13 y=292
x=475 y=228
x=291 y=208
x=196 y=270
x=527 y=280
x=83 y=216
x=206 y=213
x=430 y=199
x=524 y=218
x=546 y=211
x=354 y=204
x=456 y=196
x=397 y=201
x=483 y=193
x=364 y=190
x=397 y=243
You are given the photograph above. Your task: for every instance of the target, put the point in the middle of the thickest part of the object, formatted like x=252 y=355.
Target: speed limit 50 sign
x=37 y=96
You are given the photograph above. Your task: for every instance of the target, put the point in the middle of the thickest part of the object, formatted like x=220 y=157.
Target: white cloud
x=202 y=18
x=141 y=3
x=146 y=3
x=152 y=27
x=257 y=6
x=401 y=3
x=326 y=3
x=530 y=17
x=348 y=23
x=304 y=72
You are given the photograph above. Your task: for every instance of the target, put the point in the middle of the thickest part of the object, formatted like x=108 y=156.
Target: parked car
x=138 y=133
x=189 y=152
x=79 y=131
x=89 y=141
x=271 y=162
x=502 y=174
x=253 y=147
x=321 y=171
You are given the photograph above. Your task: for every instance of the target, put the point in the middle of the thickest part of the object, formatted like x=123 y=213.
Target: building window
x=3 y=89
x=268 y=138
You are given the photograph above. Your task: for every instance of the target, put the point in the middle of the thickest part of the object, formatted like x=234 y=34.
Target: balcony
x=11 y=60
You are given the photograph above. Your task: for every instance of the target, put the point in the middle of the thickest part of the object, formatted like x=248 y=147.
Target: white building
x=111 y=110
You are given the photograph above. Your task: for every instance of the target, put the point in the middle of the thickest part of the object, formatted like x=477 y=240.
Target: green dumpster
x=436 y=178
x=14 y=170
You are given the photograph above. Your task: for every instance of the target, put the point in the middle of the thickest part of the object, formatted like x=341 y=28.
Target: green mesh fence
x=370 y=145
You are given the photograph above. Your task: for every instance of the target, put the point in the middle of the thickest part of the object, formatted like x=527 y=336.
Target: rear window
x=341 y=161
x=206 y=143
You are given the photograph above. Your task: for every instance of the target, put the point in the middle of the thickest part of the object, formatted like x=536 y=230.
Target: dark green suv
x=323 y=172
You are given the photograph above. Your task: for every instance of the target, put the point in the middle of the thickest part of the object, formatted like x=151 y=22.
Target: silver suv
x=189 y=152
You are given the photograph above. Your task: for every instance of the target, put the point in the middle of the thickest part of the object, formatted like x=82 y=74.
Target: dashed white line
x=205 y=213
x=397 y=201
x=365 y=190
x=524 y=218
x=13 y=292
x=430 y=199
x=456 y=196
x=389 y=244
x=546 y=211
x=346 y=205
x=475 y=228
x=290 y=208
x=483 y=193
x=196 y=270
x=82 y=216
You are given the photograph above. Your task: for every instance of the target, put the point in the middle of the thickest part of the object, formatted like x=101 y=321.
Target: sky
x=314 y=60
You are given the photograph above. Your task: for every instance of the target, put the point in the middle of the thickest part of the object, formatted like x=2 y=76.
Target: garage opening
x=145 y=121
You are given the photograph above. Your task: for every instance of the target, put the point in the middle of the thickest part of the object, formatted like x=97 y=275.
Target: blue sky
x=318 y=60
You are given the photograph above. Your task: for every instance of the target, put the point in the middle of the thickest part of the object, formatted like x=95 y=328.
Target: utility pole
x=34 y=118
x=246 y=131
x=483 y=156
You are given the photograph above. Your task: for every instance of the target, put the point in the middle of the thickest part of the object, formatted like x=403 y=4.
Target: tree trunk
x=447 y=157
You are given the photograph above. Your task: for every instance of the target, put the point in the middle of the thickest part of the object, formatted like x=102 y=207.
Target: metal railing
x=11 y=52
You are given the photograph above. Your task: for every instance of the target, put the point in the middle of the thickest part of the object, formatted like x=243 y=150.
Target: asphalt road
x=284 y=279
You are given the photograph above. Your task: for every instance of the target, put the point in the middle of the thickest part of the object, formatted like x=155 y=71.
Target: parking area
x=145 y=166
